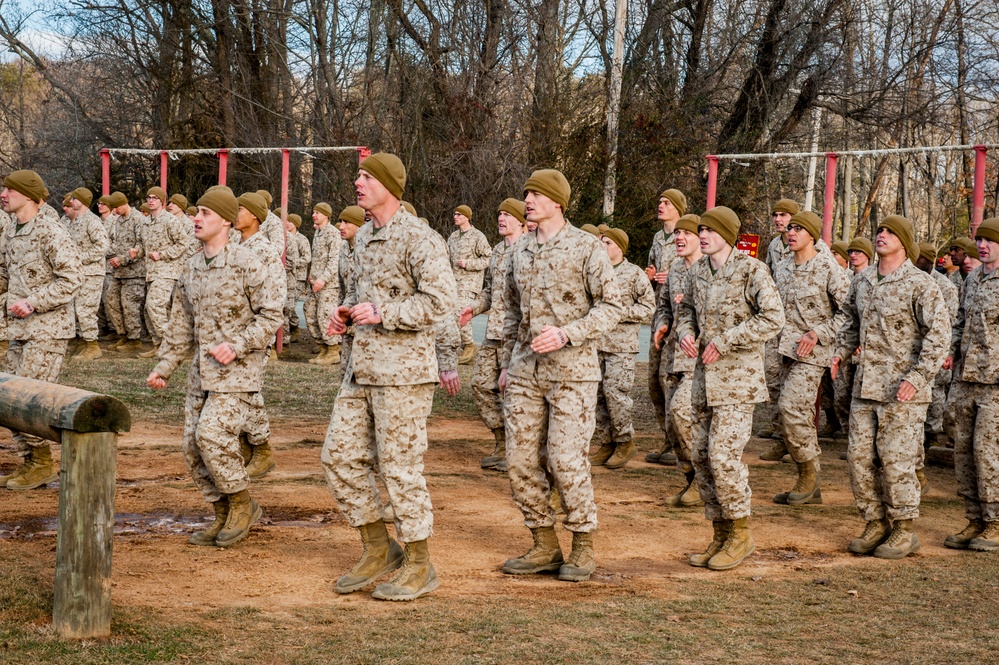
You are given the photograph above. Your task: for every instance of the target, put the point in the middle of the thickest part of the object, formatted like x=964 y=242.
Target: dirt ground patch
x=800 y=595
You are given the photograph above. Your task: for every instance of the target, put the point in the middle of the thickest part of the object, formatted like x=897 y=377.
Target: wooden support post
x=82 y=602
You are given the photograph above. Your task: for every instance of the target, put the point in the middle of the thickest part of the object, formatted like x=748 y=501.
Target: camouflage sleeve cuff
x=238 y=346
x=165 y=369
x=575 y=335
x=721 y=345
x=390 y=315
x=33 y=301
x=916 y=379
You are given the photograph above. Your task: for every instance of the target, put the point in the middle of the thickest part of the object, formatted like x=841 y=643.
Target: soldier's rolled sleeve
x=267 y=303
x=933 y=318
x=480 y=256
x=765 y=324
x=447 y=344
x=100 y=243
x=511 y=318
x=838 y=289
x=67 y=276
x=643 y=301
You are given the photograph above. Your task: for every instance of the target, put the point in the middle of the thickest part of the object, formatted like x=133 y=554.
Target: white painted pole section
x=614 y=107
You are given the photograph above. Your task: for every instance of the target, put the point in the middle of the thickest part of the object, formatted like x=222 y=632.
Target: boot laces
x=896 y=537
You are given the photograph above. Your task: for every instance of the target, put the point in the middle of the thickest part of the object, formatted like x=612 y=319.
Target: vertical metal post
x=285 y=169
x=105 y=171
x=829 y=203
x=223 y=165
x=712 y=181
x=847 y=199
x=163 y=170
x=978 y=200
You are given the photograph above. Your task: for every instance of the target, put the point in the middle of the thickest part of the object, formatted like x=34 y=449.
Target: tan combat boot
x=129 y=346
x=653 y=457
x=688 y=497
x=319 y=356
x=806 y=489
x=987 y=540
x=296 y=333
x=91 y=351
x=623 y=452
x=380 y=555
x=39 y=470
x=243 y=513
x=874 y=534
x=600 y=456
x=334 y=354
x=467 y=355
x=329 y=356
x=498 y=455
x=272 y=355
x=261 y=462
x=416 y=577
x=544 y=557
x=960 y=541
x=721 y=528
x=151 y=353
x=206 y=538
x=581 y=562
x=18 y=470
x=775 y=452
x=738 y=546
x=901 y=543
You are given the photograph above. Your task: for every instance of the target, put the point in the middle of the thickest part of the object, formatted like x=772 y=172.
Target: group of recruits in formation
x=557 y=365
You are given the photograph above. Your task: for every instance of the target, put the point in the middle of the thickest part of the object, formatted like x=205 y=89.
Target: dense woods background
x=474 y=94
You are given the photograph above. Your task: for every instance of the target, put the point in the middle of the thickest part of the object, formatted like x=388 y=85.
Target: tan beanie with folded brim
x=688 y=223
x=809 y=221
x=841 y=248
x=255 y=203
x=117 y=200
x=353 y=215
x=927 y=251
x=28 y=183
x=106 y=200
x=221 y=202
x=724 y=222
x=969 y=246
x=617 y=236
x=192 y=210
x=515 y=208
x=902 y=229
x=861 y=245
x=158 y=193
x=324 y=208
x=464 y=210
x=589 y=228
x=83 y=195
x=989 y=229
x=676 y=197
x=787 y=205
x=550 y=183
x=267 y=197
x=179 y=200
x=388 y=170
x=296 y=220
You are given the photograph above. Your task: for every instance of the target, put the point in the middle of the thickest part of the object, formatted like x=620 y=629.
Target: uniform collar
x=220 y=260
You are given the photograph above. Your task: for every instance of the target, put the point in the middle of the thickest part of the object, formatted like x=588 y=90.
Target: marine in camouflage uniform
x=778 y=252
x=973 y=404
x=485 y=379
x=677 y=367
x=323 y=294
x=898 y=318
x=128 y=288
x=40 y=274
x=728 y=312
x=225 y=306
x=91 y=238
x=469 y=253
x=294 y=262
x=108 y=219
x=561 y=297
x=813 y=289
x=401 y=288
x=672 y=205
x=165 y=241
x=616 y=352
x=4 y=225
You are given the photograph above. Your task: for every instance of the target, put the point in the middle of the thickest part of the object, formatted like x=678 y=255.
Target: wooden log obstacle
x=87 y=425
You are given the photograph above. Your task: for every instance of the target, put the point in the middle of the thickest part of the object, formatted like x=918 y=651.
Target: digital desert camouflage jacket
x=490 y=298
x=902 y=327
x=663 y=251
x=951 y=294
x=304 y=256
x=169 y=236
x=268 y=253
x=777 y=253
x=403 y=269
x=292 y=256
x=273 y=229
x=92 y=241
x=974 y=341
x=668 y=298
x=326 y=256
x=567 y=282
x=638 y=301
x=232 y=299
x=126 y=236
x=41 y=263
x=813 y=295
x=472 y=247
x=739 y=310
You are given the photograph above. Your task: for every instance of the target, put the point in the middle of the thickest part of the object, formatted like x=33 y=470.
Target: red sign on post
x=749 y=243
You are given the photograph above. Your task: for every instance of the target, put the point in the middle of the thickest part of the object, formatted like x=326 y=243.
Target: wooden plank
x=84 y=544
x=45 y=409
